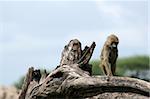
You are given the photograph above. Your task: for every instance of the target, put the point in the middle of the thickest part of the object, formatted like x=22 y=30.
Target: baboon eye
x=112 y=43
x=75 y=44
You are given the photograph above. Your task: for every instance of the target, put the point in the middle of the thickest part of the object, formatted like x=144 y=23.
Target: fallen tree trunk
x=72 y=79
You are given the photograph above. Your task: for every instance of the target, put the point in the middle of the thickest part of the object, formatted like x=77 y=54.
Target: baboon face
x=112 y=41
x=74 y=45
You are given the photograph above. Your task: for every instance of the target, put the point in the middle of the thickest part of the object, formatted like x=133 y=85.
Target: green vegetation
x=132 y=63
x=96 y=70
x=123 y=64
x=19 y=83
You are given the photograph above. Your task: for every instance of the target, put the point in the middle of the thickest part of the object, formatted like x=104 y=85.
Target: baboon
x=71 y=52
x=109 y=55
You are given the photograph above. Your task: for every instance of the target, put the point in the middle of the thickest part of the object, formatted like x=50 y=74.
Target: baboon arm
x=113 y=68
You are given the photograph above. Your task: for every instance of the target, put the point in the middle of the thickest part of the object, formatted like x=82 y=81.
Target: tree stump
x=73 y=79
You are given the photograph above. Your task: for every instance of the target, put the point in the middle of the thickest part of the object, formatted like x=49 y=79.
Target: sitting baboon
x=109 y=55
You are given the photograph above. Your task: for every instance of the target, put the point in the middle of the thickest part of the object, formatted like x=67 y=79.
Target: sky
x=33 y=33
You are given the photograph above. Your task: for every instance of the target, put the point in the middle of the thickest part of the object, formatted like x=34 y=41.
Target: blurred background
x=33 y=33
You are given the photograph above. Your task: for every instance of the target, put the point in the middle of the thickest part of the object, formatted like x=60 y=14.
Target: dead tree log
x=72 y=79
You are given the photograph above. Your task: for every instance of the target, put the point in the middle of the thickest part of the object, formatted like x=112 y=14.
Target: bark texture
x=73 y=79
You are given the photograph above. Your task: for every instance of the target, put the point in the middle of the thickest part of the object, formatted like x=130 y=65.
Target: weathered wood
x=72 y=79
x=26 y=83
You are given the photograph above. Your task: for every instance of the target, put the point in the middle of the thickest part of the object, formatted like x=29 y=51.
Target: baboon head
x=112 y=41
x=74 y=45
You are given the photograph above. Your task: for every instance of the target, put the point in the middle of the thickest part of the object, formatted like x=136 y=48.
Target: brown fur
x=109 y=55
